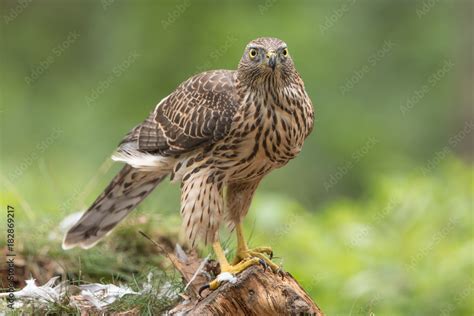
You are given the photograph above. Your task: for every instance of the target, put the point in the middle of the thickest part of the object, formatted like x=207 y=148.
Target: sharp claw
x=280 y=273
x=271 y=255
x=202 y=288
x=264 y=264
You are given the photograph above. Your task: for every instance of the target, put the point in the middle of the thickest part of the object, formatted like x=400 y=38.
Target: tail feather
x=129 y=187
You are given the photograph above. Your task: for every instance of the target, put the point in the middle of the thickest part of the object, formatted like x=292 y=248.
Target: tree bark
x=255 y=292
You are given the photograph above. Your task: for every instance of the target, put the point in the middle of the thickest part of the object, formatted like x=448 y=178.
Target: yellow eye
x=253 y=52
x=285 y=51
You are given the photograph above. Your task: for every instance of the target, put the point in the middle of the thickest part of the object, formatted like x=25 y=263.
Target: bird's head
x=266 y=57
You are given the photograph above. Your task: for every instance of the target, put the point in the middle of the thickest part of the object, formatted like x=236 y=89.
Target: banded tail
x=129 y=187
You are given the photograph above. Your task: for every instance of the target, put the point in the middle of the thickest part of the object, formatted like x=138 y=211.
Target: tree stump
x=255 y=292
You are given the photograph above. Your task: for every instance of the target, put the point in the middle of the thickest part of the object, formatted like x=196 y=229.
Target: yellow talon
x=243 y=252
x=244 y=259
x=229 y=271
x=252 y=253
x=266 y=250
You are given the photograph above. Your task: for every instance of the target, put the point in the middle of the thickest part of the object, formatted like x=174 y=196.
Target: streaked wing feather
x=198 y=113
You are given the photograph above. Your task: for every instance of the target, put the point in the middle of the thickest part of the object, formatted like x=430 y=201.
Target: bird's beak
x=271 y=59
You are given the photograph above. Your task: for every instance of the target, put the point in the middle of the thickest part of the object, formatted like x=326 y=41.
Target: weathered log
x=255 y=291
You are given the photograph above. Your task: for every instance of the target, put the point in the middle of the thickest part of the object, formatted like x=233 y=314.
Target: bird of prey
x=219 y=130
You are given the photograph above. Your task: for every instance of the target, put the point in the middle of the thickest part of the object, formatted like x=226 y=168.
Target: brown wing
x=198 y=113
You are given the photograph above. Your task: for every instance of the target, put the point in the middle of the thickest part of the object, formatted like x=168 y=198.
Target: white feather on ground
x=93 y=294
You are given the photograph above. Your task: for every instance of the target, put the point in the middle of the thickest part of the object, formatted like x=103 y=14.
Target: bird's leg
x=243 y=252
x=228 y=271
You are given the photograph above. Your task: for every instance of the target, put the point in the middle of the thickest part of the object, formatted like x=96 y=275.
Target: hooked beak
x=271 y=60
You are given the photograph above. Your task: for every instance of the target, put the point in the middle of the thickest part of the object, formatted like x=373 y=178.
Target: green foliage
x=406 y=247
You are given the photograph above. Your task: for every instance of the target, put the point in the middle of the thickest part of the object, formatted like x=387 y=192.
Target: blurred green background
x=374 y=216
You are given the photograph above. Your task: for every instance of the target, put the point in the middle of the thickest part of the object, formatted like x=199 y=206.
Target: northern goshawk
x=220 y=129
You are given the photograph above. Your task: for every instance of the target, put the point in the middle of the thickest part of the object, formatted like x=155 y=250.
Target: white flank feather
x=140 y=160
